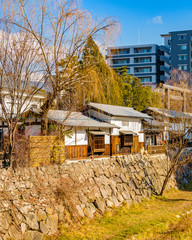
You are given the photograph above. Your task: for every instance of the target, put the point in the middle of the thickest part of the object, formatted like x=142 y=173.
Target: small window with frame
x=99 y=142
x=127 y=140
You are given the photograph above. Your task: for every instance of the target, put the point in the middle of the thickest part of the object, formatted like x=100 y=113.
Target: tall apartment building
x=153 y=63
x=179 y=44
x=141 y=60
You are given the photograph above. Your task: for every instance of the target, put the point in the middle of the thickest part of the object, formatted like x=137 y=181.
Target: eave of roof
x=76 y=119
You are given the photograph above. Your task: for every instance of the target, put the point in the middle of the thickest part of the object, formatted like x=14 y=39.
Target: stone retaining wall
x=34 y=200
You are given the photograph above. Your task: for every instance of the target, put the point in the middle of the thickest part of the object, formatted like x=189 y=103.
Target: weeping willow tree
x=102 y=83
x=99 y=82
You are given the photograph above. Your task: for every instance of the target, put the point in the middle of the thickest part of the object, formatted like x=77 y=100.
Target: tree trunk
x=45 y=108
x=171 y=170
x=11 y=145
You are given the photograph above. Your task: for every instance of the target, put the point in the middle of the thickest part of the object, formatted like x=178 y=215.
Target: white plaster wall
x=27 y=105
x=70 y=140
x=128 y=124
x=141 y=137
x=81 y=137
x=107 y=139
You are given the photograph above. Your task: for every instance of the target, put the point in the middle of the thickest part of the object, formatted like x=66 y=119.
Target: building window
x=182 y=67
x=182 y=57
x=127 y=140
x=123 y=61
x=143 y=70
x=182 y=47
x=120 y=51
x=99 y=143
x=182 y=36
x=146 y=79
x=142 y=60
x=143 y=50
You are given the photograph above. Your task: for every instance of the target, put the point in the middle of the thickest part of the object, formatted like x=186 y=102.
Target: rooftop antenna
x=139 y=40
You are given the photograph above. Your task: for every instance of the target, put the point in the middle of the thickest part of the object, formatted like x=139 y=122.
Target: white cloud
x=157 y=20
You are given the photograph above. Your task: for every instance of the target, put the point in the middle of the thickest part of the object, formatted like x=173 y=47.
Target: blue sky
x=150 y=18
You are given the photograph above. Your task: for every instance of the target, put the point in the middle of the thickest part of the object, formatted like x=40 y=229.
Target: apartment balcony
x=117 y=54
x=165 y=49
x=165 y=59
x=164 y=78
x=165 y=69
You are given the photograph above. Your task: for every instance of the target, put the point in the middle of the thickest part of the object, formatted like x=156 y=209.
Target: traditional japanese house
x=84 y=136
x=129 y=136
x=165 y=126
x=153 y=132
x=88 y=136
x=104 y=130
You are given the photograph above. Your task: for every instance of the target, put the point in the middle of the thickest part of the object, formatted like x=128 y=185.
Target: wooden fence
x=76 y=151
x=156 y=149
x=44 y=150
x=81 y=151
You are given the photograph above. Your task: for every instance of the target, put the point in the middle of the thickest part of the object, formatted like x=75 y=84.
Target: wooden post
x=75 y=136
x=110 y=139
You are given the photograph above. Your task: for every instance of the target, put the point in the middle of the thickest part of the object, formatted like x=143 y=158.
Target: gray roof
x=76 y=119
x=155 y=123
x=169 y=113
x=159 y=111
x=119 y=111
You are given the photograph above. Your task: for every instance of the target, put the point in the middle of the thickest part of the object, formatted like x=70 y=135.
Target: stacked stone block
x=35 y=200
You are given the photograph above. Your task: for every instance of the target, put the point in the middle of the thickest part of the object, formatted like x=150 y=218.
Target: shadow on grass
x=174 y=200
x=185 y=187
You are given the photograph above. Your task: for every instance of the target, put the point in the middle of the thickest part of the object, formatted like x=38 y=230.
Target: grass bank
x=162 y=218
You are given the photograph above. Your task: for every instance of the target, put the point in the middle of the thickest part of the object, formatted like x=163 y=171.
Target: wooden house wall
x=81 y=151
x=76 y=151
x=115 y=140
x=136 y=145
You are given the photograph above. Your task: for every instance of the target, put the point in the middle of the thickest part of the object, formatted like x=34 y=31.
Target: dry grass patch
x=168 y=217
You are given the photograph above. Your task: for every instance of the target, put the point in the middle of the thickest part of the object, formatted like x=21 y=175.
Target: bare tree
x=178 y=116
x=20 y=79
x=180 y=79
x=179 y=135
x=60 y=29
x=178 y=95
